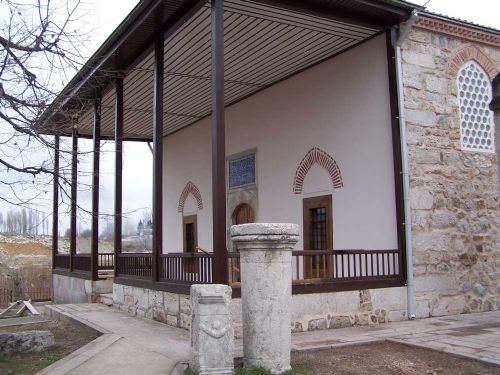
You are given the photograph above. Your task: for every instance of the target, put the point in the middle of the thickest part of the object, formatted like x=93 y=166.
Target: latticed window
x=318 y=234
x=476 y=119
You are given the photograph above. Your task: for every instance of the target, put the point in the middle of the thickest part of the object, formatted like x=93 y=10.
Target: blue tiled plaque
x=242 y=171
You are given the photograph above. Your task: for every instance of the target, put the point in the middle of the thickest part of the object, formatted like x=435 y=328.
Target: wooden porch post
x=74 y=181
x=396 y=149
x=94 y=258
x=157 y=156
x=118 y=169
x=55 y=202
x=220 y=268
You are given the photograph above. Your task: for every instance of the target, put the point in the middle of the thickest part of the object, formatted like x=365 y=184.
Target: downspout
x=404 y=158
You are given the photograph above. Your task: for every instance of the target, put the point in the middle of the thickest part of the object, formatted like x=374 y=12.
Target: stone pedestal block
x=212 y=336
x=25 y=342
x=266 y=292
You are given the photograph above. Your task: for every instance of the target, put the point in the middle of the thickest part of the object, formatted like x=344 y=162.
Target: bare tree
x=41 y=44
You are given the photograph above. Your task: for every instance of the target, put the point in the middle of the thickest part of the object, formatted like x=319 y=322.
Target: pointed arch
x=468 y=53
x=323 y=159
x=190 y=188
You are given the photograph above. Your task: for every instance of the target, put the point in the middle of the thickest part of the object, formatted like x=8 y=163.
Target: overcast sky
x=105 y=16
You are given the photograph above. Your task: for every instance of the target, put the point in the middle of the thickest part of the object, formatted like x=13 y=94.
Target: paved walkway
x=140 y=346
x=128 y=345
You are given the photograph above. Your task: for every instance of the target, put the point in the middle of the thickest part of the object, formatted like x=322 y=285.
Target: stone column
x=212 y=336
x=266 y=292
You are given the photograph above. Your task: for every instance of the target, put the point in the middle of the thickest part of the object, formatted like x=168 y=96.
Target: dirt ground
x=68 y=338
x=33 y=248
x=385 y=359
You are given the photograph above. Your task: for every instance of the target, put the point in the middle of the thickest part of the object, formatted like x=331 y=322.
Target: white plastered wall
x=340 y=106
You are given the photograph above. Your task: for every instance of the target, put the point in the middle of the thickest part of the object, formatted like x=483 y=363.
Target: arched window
x=476 y=119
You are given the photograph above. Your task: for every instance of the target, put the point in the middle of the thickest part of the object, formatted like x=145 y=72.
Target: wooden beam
x=118 y=169
x=157 y=156
x=220 y=267
x=55 y=202
x=74 y=190
x=94 y=249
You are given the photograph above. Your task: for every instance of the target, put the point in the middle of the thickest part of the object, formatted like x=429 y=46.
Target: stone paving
x=135 y=345
x=128 y=345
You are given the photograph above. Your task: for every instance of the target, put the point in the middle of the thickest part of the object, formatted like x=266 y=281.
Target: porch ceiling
x=263 y=43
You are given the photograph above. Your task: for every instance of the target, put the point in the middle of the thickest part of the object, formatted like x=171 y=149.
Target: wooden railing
x=312 y=271
x=106 y=261
x=61 y=261
x=81 y=262
x=190 y=268
x=43 y=293
x=315 y=266
x=234 y=269
x=330 y=266
x=136 y=265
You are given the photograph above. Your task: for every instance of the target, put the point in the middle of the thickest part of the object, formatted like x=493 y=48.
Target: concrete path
x=140 y=346
x=128 y=345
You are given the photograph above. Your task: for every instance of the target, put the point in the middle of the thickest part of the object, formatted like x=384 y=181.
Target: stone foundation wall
x=454 y=193
x=67 y=289
x=309 y=311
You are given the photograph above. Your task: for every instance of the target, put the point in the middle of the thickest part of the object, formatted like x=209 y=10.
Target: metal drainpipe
x=404 y=157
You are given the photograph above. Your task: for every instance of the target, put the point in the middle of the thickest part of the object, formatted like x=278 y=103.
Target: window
x=476 y=119
x=318 y=235
x=242 y=171
x=189 y=224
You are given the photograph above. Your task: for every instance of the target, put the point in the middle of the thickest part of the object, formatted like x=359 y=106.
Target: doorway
x=318 y=236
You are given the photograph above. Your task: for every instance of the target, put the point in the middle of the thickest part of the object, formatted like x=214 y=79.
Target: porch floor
x=134 y=345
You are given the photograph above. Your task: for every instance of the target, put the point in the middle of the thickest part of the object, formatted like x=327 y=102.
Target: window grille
x=476 y=119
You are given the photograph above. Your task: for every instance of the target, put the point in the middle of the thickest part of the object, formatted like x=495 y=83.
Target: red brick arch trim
x=190 y=189
x=320 y=157
x=471 y=53
x=458 y=31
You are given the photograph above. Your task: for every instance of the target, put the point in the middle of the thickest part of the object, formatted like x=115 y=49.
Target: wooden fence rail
x=29 y=293
x=312 y=271
x=135 y=265
x=82 y=262
x=106 y=261
x=61 y=261
x=329 y=266
x=191 y=268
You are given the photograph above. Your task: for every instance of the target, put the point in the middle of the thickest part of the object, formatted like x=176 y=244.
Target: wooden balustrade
x=61 y=261
x=330 y=266
x=81 y=262
x=135 y=265
x=106 y=261
x=234 y=269
x=312 y=271
x=191 y=268
x=311 y=266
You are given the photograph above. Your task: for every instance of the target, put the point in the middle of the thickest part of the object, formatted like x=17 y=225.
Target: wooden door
x=190 y=241
x=318 y=235
x=243 y=214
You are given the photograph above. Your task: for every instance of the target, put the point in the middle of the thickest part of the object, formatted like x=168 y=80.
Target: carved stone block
x=212 y=336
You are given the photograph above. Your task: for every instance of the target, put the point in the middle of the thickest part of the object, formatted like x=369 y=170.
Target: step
x=106 y=299
x=106 y=274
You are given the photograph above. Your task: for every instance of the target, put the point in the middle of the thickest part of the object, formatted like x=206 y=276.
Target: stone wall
x=309 y=311
x=68 y=289
x=454 y=193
